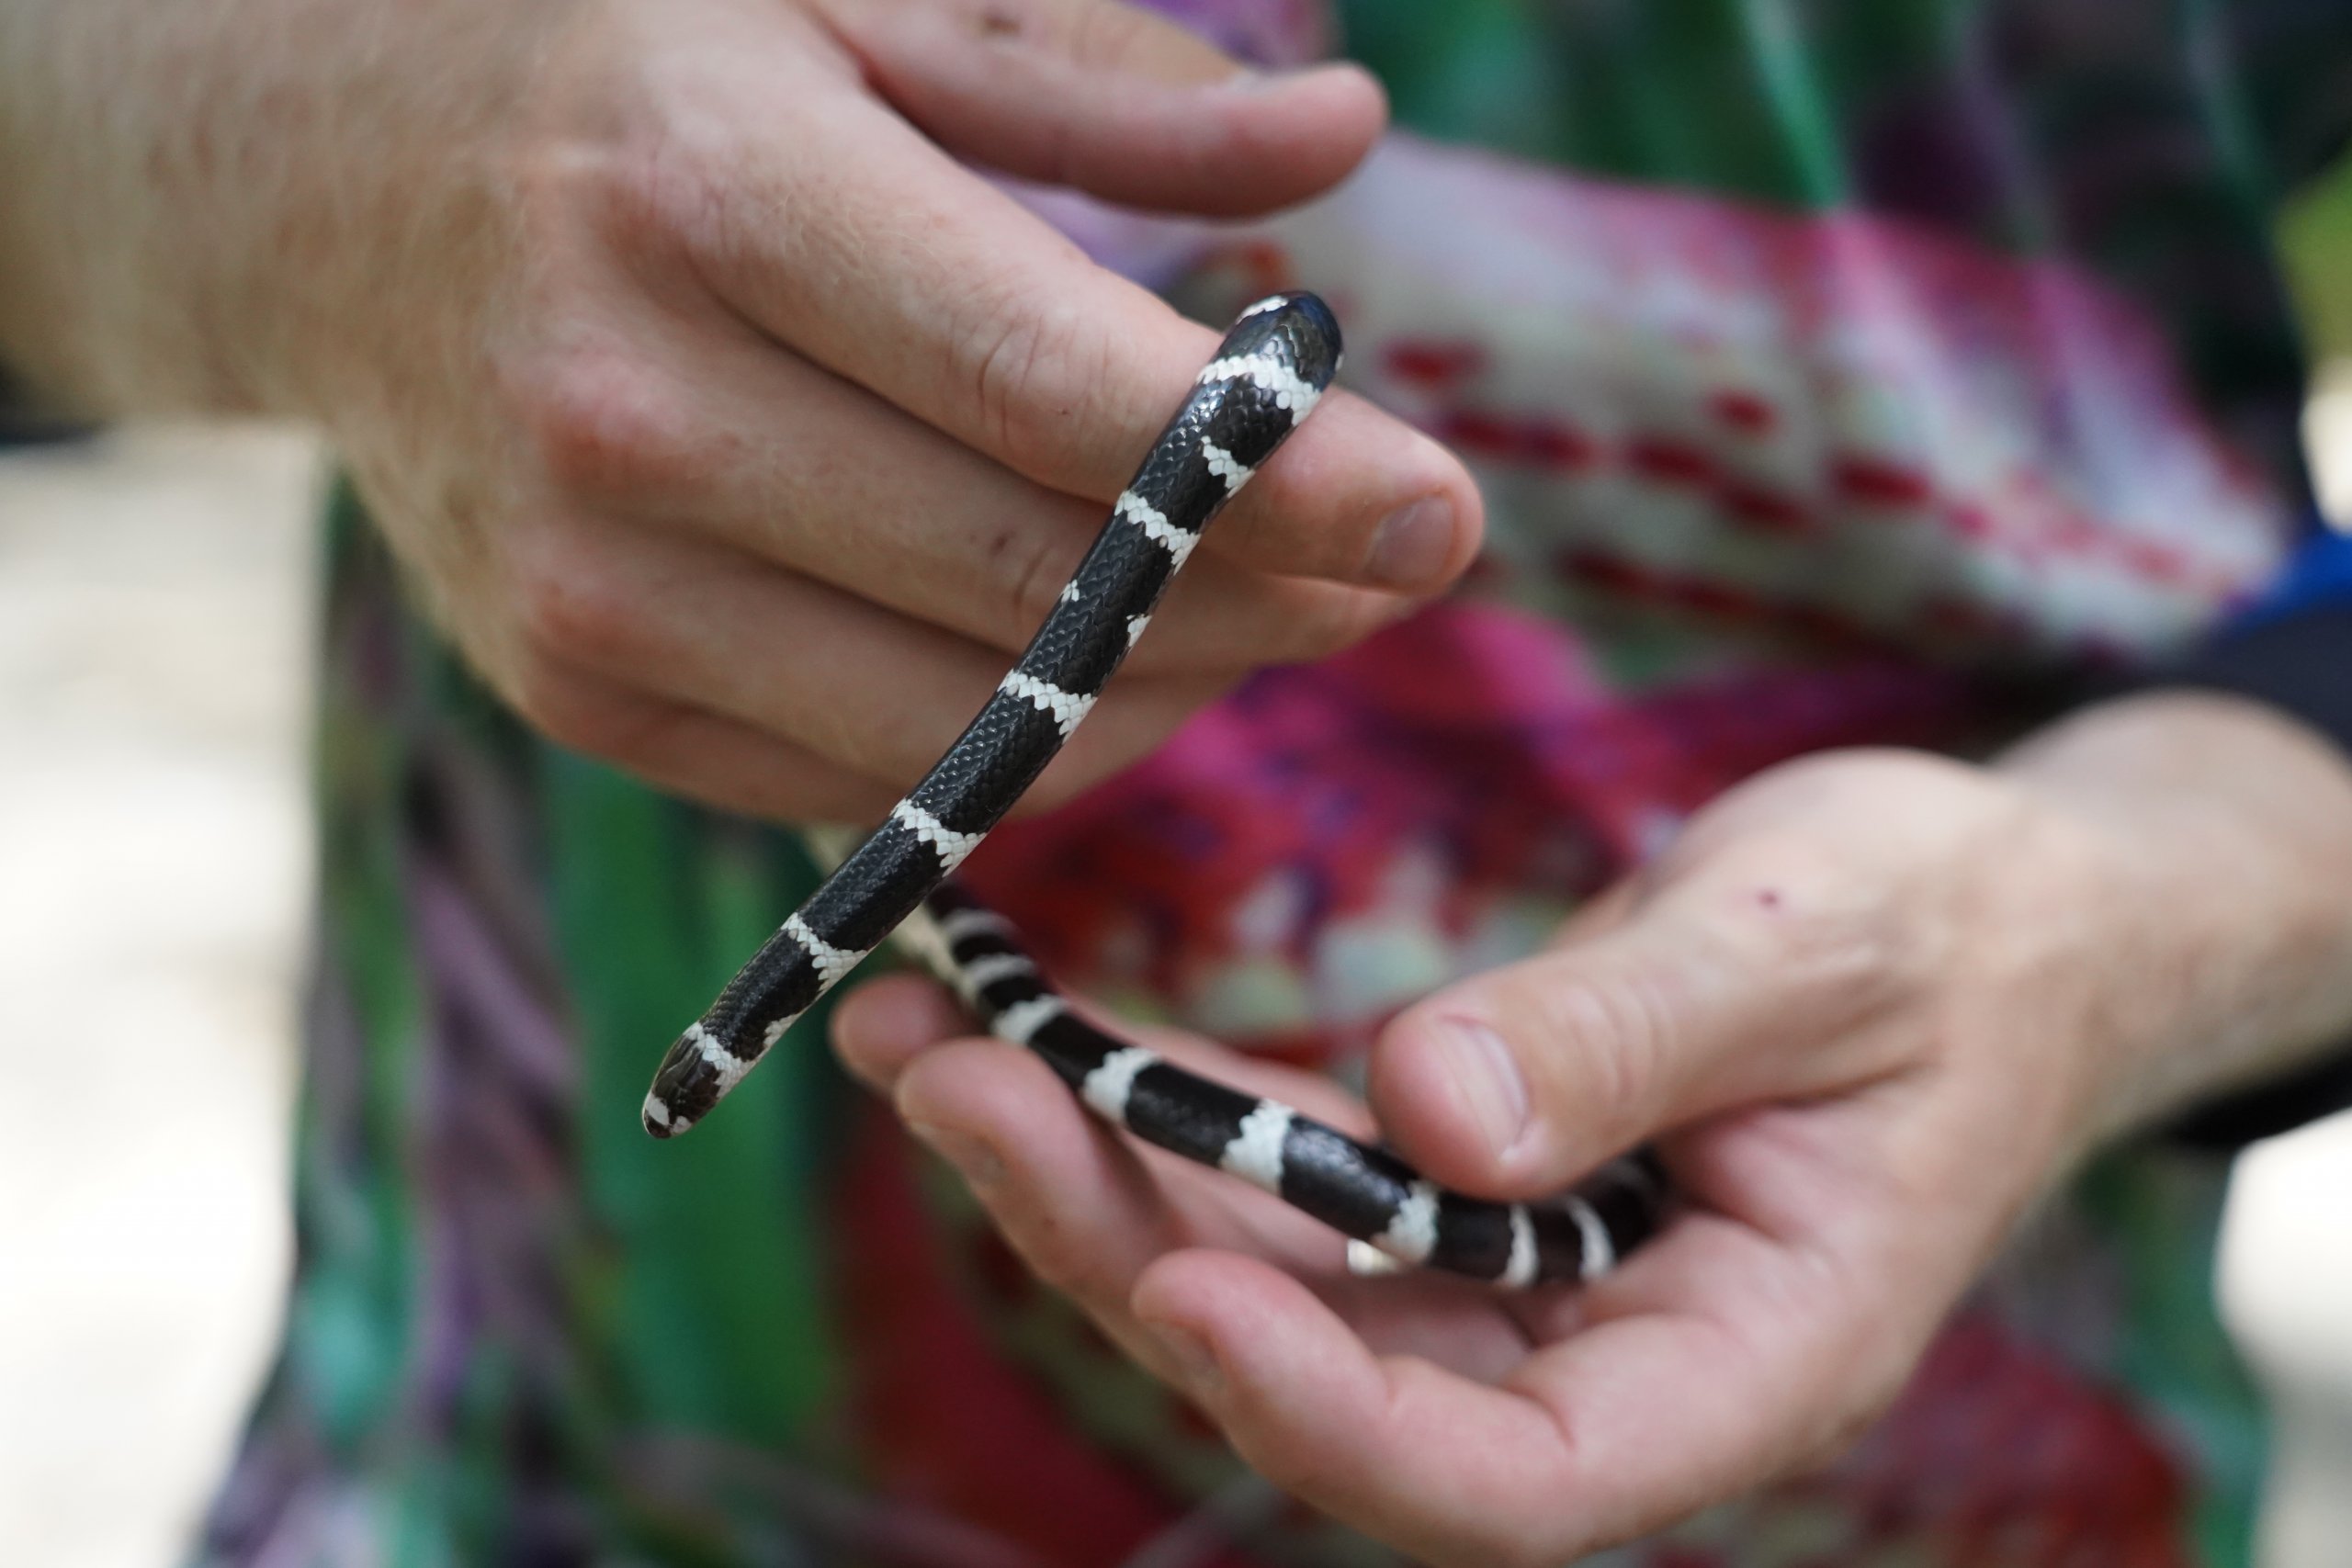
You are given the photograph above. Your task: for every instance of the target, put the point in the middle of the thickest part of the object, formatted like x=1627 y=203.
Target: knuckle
x=569 y=712
x=660 y=199
x=567 y=605
x=1025 y=369
x=644 y=178
x=605 y=425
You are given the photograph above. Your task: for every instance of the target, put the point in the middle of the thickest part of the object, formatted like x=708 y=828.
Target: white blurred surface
x=2327 y=432
x=2286 y=1267
x=2286 y=1295
x=155 y=652
x=155 y=660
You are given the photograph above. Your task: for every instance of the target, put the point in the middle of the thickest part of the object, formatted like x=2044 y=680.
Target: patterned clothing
x=1835 y=373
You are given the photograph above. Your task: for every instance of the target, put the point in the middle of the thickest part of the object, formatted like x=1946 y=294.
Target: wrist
x=2215 y=877
x=206 y=203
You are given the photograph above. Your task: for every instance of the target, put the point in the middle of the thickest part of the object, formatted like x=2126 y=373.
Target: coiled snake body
x=1266 y=376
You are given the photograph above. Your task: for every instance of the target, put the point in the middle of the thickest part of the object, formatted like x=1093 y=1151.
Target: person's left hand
x=1872 y=1003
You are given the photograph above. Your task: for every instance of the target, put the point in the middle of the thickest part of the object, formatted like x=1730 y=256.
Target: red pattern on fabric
x=944 y=1419
x=1998 y=1452
x=1328 y=775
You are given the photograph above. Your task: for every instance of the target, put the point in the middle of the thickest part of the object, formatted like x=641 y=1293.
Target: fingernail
x=1413 y=545
x=1488 y=1075
x=1196 y=1364
x=974 y=1160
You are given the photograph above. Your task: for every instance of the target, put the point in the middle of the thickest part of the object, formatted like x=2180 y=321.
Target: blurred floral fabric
x=1837 y=373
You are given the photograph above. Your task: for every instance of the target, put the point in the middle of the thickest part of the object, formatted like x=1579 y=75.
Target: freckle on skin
x=996 y=22
x=1769 y=897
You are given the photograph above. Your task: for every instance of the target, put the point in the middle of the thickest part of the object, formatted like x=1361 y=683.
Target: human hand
x=736 y=431
x=1870 y=1004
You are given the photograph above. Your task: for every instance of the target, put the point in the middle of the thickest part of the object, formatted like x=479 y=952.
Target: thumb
x=1112 y=100
x=1515 y=1082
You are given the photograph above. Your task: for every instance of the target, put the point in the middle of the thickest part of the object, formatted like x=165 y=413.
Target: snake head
x=695 y=1073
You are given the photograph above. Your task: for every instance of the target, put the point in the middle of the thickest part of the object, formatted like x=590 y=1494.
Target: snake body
x=1274 y=363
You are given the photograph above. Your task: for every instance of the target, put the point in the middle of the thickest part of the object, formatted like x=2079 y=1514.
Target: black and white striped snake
x=1266 y=376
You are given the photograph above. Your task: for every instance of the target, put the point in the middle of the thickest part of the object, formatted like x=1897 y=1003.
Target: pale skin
x=737 y=434
x=734 y=430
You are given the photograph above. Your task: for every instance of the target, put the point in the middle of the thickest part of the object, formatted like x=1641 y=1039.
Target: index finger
x=866 y=248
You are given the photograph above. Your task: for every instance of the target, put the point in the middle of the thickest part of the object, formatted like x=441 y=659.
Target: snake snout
x=693 y=1077
x=657 y=1119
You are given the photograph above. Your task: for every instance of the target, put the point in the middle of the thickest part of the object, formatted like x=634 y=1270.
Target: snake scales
x=1274 y=363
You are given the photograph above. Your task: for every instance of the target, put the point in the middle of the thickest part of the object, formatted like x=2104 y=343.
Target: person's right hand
x=737 y=431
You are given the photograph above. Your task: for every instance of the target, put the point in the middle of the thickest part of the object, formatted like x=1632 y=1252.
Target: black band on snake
x=1265 y=378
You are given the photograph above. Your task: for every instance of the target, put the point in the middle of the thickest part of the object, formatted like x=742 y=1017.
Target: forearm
x=2224 y=835
x=188 y=187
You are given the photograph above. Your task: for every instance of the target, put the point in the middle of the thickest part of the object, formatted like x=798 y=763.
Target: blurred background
x=154 y=619
x=153 y=873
